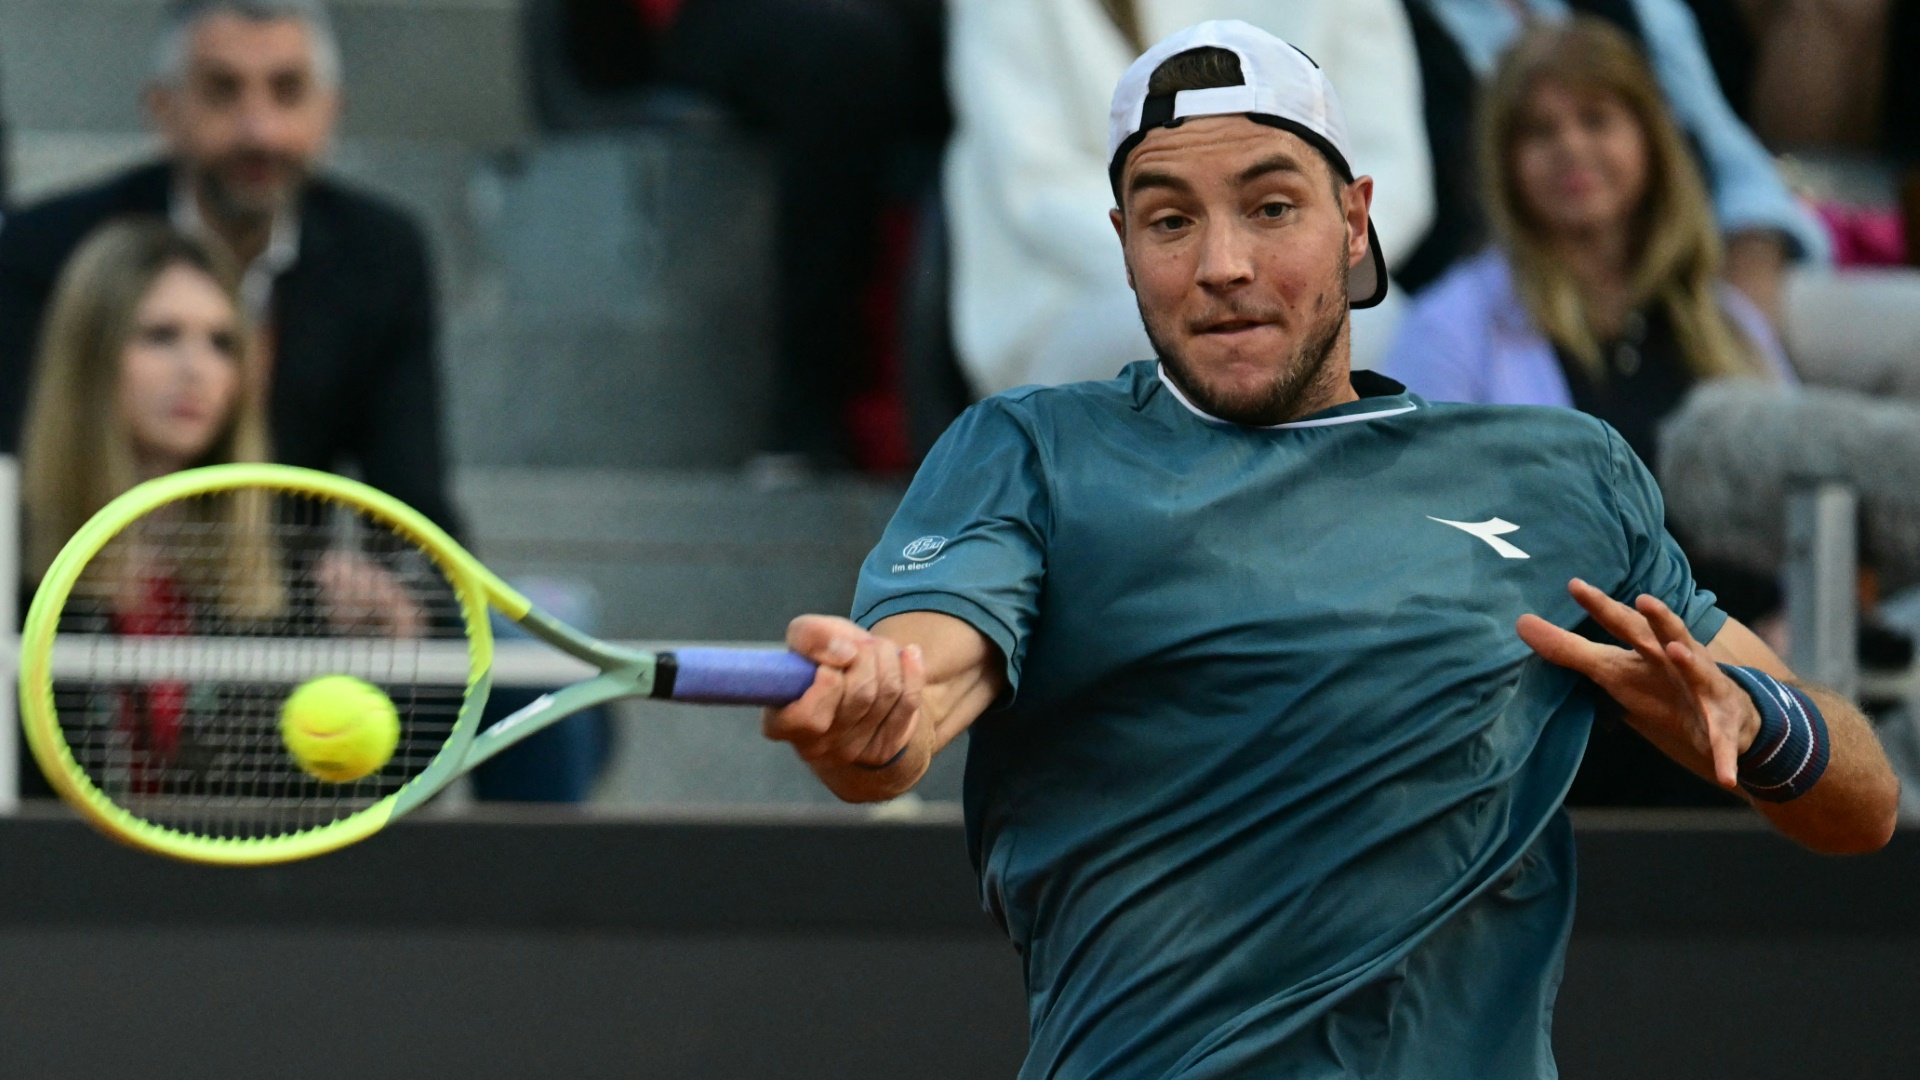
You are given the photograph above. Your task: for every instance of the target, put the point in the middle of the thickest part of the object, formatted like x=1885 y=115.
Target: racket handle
x=732 y=676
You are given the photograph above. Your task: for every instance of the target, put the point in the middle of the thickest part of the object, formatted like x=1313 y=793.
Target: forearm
x=963 y=678
x=1854 y=805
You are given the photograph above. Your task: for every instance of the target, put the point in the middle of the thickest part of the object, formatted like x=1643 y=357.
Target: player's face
x=251 y=116
x=1579 y=161
x=1238 y=243
x=179 y=372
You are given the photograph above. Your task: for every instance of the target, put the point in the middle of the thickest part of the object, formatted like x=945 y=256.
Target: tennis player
x=1276 y=675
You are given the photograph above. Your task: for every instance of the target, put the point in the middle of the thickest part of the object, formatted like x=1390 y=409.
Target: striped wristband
x=1790 y=752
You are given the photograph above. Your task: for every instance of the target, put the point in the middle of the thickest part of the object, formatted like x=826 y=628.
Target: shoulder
x=361 y=221
x=39 y=238
x=1051 y=421
x=1547 y=430
x=1561 y=457
x=1048 y=405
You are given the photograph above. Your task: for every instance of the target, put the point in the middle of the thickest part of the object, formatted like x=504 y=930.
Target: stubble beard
x=1282 y=398
x=236 y=210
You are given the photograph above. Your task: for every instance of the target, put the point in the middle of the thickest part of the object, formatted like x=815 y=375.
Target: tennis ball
x=339 y=728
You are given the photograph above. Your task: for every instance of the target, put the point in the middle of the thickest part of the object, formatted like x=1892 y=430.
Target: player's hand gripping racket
x=168 y=634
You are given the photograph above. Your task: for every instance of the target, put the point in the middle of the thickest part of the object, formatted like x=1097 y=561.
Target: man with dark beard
x=1267 y=745
x=245 y=95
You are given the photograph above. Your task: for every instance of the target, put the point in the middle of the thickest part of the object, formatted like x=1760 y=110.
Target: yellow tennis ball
x=339 y=728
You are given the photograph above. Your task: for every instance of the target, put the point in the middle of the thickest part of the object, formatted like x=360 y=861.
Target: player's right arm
x=886 y=700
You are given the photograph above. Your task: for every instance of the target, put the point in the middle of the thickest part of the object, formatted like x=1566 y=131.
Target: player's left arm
x=1676 y=695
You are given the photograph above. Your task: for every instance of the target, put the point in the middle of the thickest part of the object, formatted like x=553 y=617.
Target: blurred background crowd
x=654 y=302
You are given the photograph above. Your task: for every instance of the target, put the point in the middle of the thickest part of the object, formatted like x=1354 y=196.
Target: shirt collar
x=1379 y=397
x=256 y=281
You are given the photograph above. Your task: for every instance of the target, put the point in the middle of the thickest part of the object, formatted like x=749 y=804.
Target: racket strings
x=181 y=641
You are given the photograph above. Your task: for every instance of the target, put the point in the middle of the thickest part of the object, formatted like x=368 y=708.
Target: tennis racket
x=170 y=629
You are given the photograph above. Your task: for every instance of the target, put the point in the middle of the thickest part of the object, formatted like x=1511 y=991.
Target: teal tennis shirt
x=1277 y=789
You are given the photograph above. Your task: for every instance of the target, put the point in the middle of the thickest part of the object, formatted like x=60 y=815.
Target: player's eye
x=219 y=88
x=1170 y=222
x=160 y=335
x=1274 y=211
x=289 y=88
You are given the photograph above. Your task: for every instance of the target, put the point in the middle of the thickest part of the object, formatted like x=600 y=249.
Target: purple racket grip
x=737 y=676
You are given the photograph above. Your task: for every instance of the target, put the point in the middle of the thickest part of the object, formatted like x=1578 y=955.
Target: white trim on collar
x=1325 y=421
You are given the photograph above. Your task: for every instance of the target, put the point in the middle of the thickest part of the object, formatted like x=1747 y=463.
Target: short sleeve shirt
x=1276 y=788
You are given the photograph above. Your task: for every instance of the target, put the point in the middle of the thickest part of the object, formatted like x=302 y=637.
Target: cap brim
x=1367 y=283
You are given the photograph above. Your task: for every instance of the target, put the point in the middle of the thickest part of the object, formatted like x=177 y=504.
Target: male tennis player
x=1270 y=785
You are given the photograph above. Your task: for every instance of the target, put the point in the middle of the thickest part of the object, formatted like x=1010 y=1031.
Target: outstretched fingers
x=1624 y=623
x=1697 y=673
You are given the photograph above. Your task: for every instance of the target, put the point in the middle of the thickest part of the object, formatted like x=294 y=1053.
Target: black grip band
x=666 y=670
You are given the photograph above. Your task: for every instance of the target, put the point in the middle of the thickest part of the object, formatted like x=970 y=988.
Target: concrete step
x=694 y=555
x=630 y=323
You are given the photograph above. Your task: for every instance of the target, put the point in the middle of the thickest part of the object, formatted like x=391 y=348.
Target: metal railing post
x=9 y=634
x=1821 y=584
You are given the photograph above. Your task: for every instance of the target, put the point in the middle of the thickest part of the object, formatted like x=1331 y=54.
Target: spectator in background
x=843 y=90
x=1761 y=225
x=839 y=86
x=1604 y=289
x=1039 y=290
x=245 y=95
x=1604 y=293
x=145 y=367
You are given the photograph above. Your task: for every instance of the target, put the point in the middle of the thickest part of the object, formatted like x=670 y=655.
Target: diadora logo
x=1490 y=530
x=924 y=548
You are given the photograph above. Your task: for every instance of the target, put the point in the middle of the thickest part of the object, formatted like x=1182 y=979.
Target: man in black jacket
x=245 y=95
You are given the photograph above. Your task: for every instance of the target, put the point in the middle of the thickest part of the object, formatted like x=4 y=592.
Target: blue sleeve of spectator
x=1748 y=192
x=969 y=539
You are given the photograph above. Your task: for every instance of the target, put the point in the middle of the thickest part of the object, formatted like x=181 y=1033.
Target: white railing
x=1821 y=579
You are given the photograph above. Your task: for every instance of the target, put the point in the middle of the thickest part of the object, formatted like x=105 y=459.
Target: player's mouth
x=1233 y=327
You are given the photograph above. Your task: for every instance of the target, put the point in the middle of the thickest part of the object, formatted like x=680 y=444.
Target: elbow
x=1878 y=832
x=1862 y=834
x=1864 y=840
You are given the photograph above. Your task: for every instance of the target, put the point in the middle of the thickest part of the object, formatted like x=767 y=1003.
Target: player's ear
x=1356 y=202
x=1120 y=229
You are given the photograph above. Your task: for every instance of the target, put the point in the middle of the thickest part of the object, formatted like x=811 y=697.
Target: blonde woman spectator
x=145 y=367
x=1604 y=292
x=1039 y=293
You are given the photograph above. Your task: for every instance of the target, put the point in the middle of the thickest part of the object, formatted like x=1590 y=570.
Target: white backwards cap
x=1282 y=87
